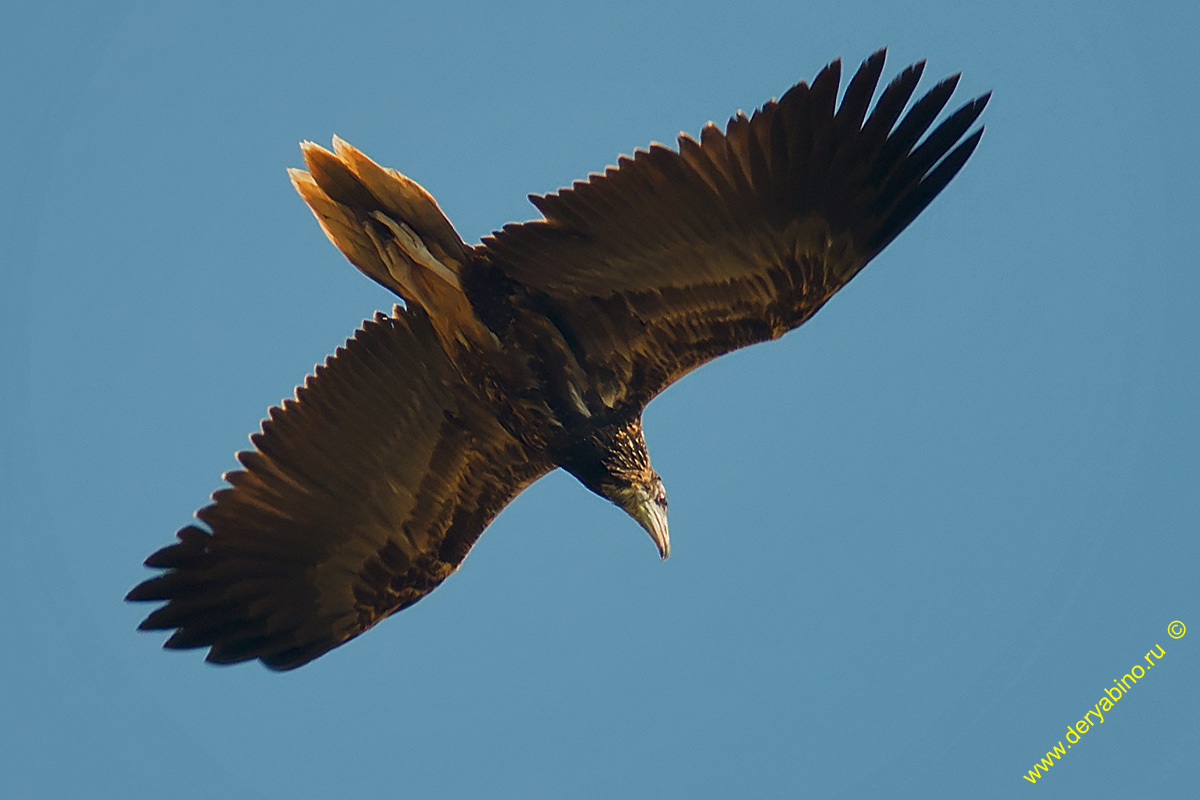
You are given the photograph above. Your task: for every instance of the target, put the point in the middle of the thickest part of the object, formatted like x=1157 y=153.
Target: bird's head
x=646 y=501
x=613 y=462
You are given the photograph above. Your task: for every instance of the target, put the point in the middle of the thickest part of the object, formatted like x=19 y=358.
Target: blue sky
x=912 y=542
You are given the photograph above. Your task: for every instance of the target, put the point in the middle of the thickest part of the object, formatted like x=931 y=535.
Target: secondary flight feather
x=539 y=348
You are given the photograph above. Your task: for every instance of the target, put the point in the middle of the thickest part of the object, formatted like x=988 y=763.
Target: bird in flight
x=537 y=348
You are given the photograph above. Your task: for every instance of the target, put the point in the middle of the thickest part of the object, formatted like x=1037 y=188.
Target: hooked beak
x=653 y=518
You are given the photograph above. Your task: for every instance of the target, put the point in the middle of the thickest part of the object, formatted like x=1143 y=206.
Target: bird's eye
x=662 y=499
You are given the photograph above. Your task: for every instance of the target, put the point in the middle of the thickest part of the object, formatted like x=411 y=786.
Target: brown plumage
x=538 y=348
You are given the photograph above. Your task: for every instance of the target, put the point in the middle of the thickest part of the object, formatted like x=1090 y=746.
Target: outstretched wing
x=672 y=258
x=361 y=496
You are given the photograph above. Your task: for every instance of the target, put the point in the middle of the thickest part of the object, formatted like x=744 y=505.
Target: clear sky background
x=913 y=542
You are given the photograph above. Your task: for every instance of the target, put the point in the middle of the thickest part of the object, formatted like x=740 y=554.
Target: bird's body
x=537 y=349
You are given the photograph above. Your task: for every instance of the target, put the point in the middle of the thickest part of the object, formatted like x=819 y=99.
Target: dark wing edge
x=673 y=258
x=362 y=495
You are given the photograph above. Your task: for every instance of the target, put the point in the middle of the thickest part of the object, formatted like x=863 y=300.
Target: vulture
x=536 y=349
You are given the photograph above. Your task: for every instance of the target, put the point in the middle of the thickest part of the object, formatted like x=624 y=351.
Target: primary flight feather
x=538 y=348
